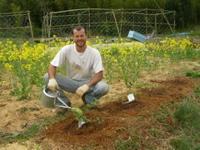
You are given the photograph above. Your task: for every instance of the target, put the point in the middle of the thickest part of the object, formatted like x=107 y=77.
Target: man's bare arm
x=52 y=71
x=96 y=78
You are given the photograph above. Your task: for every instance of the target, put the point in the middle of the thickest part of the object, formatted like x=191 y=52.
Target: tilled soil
x=109 y=122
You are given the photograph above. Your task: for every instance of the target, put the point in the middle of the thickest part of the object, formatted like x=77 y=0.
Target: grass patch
x=129 y=144
x=25 y=109
x=30 y=132
x=20 y=136
x=176 y=125
x=188 y=115
x=193 y=74
x=197 y=93
x=182 y=143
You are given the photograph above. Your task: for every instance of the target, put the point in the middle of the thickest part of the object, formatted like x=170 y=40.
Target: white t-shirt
x=79 y=66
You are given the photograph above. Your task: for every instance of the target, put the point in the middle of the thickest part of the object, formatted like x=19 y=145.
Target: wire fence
x=97 y=21
x=16 y=25
x=109 y=22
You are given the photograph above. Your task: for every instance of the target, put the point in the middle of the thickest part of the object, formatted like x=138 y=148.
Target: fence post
x=121 y=21
x=116 y=23
x=174 y=25
x=78 y=18
x=155 y=23
x=30 y=24
x=49 y=25
x=45 y=26
x=146 y=12
x=89 y=23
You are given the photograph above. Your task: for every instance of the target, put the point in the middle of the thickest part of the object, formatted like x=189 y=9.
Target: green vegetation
x=188 y=118
x=20 y=136
x=28 y=62
x=130 y=144
x=176 y=125
x=31 y=131
x=193 y=74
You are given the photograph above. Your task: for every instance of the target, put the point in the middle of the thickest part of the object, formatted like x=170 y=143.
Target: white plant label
x=131 y=97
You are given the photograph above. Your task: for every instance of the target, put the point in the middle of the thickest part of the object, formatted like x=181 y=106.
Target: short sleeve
x=98 y=65
x=59 y=59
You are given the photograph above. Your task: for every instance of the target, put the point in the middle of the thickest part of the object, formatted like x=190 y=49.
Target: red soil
x=112 y=121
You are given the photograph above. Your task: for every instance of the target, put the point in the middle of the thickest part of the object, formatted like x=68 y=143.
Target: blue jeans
x=70 y=85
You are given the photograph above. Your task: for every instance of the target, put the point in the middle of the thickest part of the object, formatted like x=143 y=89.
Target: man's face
x=79 y=37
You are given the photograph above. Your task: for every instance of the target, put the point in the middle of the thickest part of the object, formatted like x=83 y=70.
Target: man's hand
x=82 y=90
x=53 y=85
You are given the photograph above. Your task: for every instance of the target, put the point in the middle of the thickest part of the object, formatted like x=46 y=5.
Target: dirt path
x=112 y=121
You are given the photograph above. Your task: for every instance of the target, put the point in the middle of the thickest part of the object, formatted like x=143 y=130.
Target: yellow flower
x=8 y=66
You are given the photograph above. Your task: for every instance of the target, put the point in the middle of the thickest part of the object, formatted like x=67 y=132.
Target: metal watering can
x=51 y=99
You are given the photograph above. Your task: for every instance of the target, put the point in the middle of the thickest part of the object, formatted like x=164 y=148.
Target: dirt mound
x=111 y=121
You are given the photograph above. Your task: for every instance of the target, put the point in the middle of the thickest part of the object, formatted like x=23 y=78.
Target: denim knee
x=101 y=89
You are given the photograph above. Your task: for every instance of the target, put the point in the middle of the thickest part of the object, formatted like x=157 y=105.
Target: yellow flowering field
x=28 y=61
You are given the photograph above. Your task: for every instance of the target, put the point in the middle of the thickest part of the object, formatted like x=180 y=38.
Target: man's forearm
x=52 y=71
x=96 y=78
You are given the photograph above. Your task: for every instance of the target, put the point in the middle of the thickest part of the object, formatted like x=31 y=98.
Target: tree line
x=187 y=11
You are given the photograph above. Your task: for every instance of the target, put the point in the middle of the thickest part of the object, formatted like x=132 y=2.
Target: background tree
x=187 y=11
